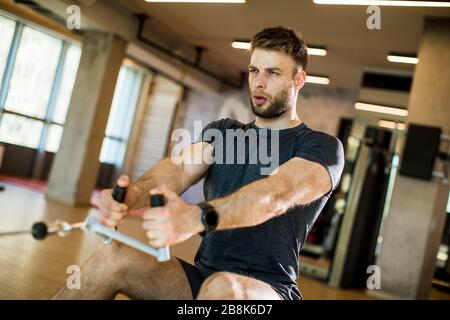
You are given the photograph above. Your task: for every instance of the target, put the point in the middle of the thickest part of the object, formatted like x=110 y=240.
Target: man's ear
x=300 y=79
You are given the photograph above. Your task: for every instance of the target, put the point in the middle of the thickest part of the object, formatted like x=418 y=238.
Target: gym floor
x=33 y=269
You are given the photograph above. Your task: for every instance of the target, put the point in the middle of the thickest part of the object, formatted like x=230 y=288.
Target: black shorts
x=196 y=279
x=194 y=276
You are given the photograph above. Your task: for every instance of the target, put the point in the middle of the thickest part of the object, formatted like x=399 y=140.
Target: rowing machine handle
x=119 y=193
x=157 y=200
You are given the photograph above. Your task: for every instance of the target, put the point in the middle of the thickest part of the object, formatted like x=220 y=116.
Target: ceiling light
x=317 y=80
x=392 y=125
x=317 y=52
x=197 y=1
x=241 y=45
x=381 y=109
x=402 y=59
x=434 y=4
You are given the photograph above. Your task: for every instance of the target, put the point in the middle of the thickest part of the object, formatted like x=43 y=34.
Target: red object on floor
x=32 y=184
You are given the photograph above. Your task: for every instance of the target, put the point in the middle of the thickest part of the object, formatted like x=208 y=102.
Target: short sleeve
x=215 y=130
x=326 y=150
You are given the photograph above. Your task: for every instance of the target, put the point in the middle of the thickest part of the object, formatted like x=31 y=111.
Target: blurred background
x=91 y=89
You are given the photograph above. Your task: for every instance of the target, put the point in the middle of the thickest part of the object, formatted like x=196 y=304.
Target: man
x=254 y=225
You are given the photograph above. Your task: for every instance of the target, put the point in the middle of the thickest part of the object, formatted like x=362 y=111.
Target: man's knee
x=222 y=286
x=113 y=256
x=122 y=258
x=107 y=255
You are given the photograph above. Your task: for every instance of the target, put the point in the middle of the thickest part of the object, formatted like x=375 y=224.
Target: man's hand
x=113 y=212
x=176 y=222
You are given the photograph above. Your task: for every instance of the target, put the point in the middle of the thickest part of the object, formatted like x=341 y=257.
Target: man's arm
x=297 y=182
x=177 y=173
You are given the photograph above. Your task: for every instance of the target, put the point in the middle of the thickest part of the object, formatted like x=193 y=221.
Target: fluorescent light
x=317 y=80
x=435 y=4
x=241 y=45
x=402 y=59
x=392 y=124
x=381 y=109
x=317 y=52
x=197 y=1
x=246 y=45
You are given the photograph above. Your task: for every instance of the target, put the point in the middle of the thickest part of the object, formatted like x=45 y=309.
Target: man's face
x=273 y=85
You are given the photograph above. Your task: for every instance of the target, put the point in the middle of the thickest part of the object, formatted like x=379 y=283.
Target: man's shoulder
x=309 y=136
x=226 y=123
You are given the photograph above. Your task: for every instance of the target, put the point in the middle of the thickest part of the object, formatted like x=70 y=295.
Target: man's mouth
x=259 y=99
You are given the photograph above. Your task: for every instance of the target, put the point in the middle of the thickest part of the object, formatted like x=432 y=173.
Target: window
x=20 y=130
x=33 y=73
x=35 y=96
x=69 y=74
x=112 y=151
x=7 y=27
x=58 y=111
x=121 y=116
x=53 y=138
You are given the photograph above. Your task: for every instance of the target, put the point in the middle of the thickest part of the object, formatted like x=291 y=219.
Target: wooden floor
x=31 y=269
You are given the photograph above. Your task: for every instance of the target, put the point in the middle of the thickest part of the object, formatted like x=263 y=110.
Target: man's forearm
x=252 y=204
x=295 y=184
x=164 y=172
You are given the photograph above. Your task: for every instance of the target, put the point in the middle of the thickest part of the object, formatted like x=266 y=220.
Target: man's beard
x=276 y=108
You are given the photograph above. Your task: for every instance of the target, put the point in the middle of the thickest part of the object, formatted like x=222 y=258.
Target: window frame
x=143 y=73
x=57 y=77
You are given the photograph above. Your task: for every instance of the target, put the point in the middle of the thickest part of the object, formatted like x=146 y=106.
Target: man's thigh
x=146 y=278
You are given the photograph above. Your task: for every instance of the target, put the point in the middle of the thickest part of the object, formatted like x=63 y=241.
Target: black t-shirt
x=268 y=251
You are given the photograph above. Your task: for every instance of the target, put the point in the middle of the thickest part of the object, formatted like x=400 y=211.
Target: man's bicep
x=320 y=176
x=327 y=151
x=196 y=159
x=310 y=178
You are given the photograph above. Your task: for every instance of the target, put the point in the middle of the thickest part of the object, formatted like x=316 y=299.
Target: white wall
x=322 y=107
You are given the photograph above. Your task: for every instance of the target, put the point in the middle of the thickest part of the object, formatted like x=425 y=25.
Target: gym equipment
x=40 y=230
x=420 y=151
x=362 y=221
x=119 y=193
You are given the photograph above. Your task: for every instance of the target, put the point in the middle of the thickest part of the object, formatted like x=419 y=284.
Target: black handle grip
x=156 y=200
x=119 y=193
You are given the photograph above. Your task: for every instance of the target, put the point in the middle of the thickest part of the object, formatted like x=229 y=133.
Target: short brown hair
x=282 y=39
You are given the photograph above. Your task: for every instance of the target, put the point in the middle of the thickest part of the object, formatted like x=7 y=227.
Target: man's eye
x=273 y=73
x=252 y=71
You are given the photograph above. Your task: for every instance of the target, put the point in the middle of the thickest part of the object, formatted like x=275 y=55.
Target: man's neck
x=282 y=122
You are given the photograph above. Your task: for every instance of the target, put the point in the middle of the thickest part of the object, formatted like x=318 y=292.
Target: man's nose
x=260 y=81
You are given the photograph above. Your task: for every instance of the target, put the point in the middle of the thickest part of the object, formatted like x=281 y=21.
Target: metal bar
x=387 y=204
x=162 y=254
x=13 y=233
x=349 y=216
